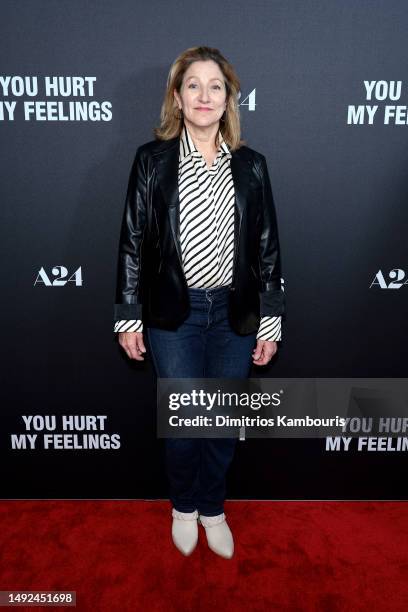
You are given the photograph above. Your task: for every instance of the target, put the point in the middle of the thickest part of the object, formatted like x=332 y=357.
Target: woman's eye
x=192 y=85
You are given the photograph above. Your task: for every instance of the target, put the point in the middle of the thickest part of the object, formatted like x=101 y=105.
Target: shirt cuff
x=269 y=329
x=128 y=325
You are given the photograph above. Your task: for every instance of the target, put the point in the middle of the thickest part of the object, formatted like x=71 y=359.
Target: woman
x=199 y=270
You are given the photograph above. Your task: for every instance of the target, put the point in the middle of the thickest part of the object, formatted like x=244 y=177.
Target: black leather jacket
x=150 y=281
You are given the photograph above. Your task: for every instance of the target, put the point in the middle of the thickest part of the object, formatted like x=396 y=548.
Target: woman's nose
x=204 y=96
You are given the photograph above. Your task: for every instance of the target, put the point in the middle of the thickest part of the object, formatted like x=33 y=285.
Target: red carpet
x=295 y=556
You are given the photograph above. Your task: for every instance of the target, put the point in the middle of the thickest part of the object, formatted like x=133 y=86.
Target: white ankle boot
x=219 y=536
x=185 y=531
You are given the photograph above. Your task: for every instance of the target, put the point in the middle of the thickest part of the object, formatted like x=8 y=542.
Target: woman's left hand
x=264 y=351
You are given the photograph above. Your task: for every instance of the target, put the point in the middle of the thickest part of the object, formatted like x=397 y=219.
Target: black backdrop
x=340 y=190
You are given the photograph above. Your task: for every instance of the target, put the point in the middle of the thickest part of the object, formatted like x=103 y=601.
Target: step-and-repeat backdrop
x=324 y=96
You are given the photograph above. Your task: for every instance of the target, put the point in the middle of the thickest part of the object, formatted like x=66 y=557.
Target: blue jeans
x=204 y=346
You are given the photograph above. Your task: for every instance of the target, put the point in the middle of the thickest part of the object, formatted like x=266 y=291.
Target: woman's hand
x=264 y=351
x=133 y=345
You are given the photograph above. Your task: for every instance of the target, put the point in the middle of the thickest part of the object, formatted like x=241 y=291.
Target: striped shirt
x=207 y=210
x=206 y=215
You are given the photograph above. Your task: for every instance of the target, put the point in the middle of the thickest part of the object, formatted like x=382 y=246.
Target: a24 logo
x=249 y=100
x=61 y=278
x=396 y=279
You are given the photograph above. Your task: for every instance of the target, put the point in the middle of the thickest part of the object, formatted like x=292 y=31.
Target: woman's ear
x=177 y=98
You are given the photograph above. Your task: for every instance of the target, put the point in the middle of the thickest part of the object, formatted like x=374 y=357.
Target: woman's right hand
x=132 y=343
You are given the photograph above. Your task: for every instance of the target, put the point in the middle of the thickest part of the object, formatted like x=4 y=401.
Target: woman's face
x=203 y=96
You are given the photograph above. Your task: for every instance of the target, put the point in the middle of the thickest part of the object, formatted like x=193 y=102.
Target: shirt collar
x=187 y=146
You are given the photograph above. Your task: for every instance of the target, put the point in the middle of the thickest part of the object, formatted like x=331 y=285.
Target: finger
x=257 y=352
x=140 y=343
x=269 y=348
x=134 y=353
x=139 y=355
x=267 y=353
x=261 y=361
x=129 y=343
x=259 y=355
x=136 y=348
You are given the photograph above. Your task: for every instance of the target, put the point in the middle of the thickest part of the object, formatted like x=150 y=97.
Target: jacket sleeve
x=127 y=300
x=272 y=302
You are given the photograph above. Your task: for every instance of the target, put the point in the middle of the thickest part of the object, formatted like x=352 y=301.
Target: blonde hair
x=171 y=120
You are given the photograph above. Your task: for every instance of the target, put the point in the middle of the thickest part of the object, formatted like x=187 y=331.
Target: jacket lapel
x=167 y=173
x=167 y=160
x=240 y=171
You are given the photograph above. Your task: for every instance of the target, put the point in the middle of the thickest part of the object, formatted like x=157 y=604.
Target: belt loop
x=209 y=296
